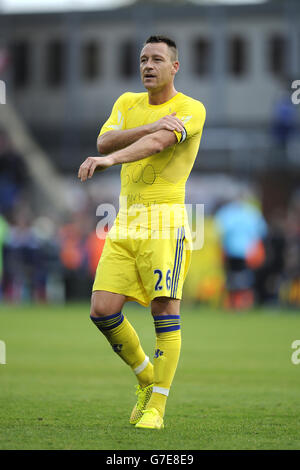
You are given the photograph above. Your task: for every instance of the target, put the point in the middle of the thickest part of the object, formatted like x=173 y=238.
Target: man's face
x=157 y=66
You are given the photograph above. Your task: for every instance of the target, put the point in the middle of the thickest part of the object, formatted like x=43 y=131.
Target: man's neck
x=162 y=96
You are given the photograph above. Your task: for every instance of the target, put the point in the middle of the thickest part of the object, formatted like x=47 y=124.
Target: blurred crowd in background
x=40 y=259
x=246 y=260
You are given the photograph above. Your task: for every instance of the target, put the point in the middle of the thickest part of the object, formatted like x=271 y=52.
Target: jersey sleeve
x=193 y=116
x=116 y=120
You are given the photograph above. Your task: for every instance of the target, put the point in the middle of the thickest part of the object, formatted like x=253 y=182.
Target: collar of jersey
x=156 y=106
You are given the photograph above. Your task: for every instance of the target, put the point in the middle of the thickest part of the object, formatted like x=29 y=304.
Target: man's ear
x=175 y=67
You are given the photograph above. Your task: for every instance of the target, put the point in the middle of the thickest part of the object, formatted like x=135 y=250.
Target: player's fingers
x=171 y=123
x=176 y=119
x=82 y=167
x=87 y=168
x=178 y=127
x=173 y=126
x=83 y=175
x=167 y=117
x=84 y=171
x=179 y=121
x=91 y=170
x=173 y=117
x=79 y=171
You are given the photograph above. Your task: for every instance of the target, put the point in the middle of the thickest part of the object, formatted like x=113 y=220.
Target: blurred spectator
x=21 y=258
x=50 y=271
x=94 y=248
x=269 y=276
x=73 y=258
x=284 y=121
x=13 y=175
x=80 y=251
x=27 y=259
x=43 y=263
x=206 y=278
x=242 y=229
x=290 y=288
x=3 y=234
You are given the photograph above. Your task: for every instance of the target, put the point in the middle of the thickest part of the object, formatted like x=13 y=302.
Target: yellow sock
x=167 y=352
x=125 y=342
x=145 y=377
x=158 y=401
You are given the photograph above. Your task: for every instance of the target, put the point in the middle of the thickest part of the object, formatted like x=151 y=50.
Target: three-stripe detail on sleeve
x=177 y=261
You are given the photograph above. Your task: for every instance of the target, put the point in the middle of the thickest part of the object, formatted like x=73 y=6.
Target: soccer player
x=155 y=136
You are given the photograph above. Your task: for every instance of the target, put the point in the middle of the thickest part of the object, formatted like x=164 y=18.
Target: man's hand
x=92 y=164
x=169 y=122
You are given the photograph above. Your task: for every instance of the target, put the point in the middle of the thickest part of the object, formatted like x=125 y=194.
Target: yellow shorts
x=143 y=269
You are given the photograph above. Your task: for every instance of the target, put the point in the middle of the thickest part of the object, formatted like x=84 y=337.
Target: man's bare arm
x=116 y=140
x=112 y=141
x=143 y=148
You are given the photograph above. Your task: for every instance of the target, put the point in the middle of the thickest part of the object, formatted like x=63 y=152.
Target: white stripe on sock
x=141 y=367
x=163 y=391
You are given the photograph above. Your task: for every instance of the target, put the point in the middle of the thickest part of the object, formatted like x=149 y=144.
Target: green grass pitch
x=63 y=387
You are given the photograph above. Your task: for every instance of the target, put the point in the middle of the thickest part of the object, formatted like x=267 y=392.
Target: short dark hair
x=170 y=43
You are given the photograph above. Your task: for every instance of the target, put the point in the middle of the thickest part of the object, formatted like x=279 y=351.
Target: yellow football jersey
x=159 y=178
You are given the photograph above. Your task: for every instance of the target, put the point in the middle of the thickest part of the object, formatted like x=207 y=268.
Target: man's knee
x=98 y=309
x=104 y=303
x=165 y=306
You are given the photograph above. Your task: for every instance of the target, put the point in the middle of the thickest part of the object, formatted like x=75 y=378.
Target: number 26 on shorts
x=161 y=280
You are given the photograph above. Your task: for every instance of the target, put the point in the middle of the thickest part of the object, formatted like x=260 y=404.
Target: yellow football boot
x=151 y=419
x=143 y=396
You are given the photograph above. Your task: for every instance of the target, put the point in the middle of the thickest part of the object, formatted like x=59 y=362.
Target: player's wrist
x=150 y=128
x=113 y=159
